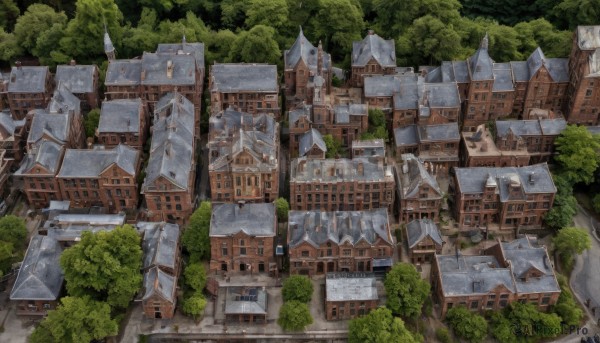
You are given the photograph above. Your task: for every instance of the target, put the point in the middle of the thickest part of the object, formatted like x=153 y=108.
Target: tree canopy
x=195 y=276
x=195 y=238
x=282 y=207
x=572 y=240
x=466 y=324
x=257 y=45
x=406 y=291
x=334 y=146
x=13 y=230
x=294 y=316
x=380 y=326
x=105 y=265
x=194 y=305
x=76 y=320
x=298 y=288
x=577 y=154
x=564 y=207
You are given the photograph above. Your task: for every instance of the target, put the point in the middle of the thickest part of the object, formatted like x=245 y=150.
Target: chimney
x=360 y=169
x=169 y=69
x=143 y=76
x=72 y=63
x=320 y=59
x=240 y=204
x=18 y=64
x=532 y=178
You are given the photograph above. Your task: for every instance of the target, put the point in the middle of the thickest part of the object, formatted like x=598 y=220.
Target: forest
x=52 y=32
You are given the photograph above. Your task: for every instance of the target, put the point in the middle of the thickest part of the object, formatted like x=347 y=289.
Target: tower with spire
x=109 y=48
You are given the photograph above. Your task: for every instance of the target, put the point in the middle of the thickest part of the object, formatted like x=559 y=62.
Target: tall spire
x=484 y=42
x=109 y=48
x=320 y=59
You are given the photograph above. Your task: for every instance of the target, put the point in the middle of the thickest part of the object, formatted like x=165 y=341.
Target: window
x=242 y=251
x=474 y=305
x=224 y=249
x=361 y=252
x=329 y=252
x=347 y=252
x=305 y=253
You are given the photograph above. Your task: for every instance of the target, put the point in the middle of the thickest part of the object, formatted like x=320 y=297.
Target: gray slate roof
x=503 y=79
x=171 y=151
x=472 y=180
x=442 y=95
x=464 y=275
x=77 y=78
x=82 y=163
x=415 y=176
x=480 y=64
x=530 y=127
x=409 y=92
x=337 y=170
x=233 y=78
x=520 y=71
x=350 y=287
x=69 y=227
x=185 y=48
x=122 y=115
x=158 y=282
x=406 y=135
x=253 y=219
x=124 y=73
x=243 y=300
x=28 y=79
x=317 y=227
x=309 y=139
x=588 y=37
x=420 y=229
x=439 y=132
x=54 y=125
x=64 y=101
x=557 y=67
x=40 y=276
x=344 y=112
x=523 y=256
x=371 y=147
x=302 y=110
x=47 y=156
x=302 y=49
x=381 y=85
x=155 y=68
x=8 y=125
x=373 y=46
x=160 y=244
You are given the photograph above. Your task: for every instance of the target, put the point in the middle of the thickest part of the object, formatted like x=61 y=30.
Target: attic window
x=172 y=173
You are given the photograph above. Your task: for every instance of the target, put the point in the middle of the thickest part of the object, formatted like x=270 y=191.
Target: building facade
x=349 y=295
x=372 y=56
x=123 y=121
x=28 y=88
x=82 y=81
x=424 y=240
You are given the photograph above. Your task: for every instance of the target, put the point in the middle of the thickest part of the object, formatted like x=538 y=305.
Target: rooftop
x=344 y=112
x=374 y=47
x=309 y=139
x=233 y=78
x=588 y=37
x=481 y=143
x=45 y=154
x=124 y=73
x=69 y=227
x=160 y=244
x=121 y=115
x=77 y=78
x=413 y=175
x=246 y=300
x=419 y=229
x=350 y=287
x=163 y=69
x=439 y=132
x=28 y=79
x=480 y=64
x=302 y=49
x=252 y=219
x=338 y=170
x=157 y=282
x=84 y=163
x=184 y=48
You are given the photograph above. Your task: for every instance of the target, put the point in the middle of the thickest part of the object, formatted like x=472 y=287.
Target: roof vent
x=532 y=178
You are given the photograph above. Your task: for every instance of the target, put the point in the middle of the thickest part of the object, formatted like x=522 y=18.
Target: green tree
x=144 y=36
x=192 y=26
x=334 y=146
x=338 y=23
x=564 y=207
x=429 y=40
x=195 y=238
x=194 y=305
x=282 y=207
x=256 y=46
x=37 y=19
x=542 y=33
x=76 y=320
x=48 y=45
x=195 y=276
x=376 y=117
x=443 y=335
x=577 y=154
x=6 y=256
x=406 y=291
x=84 y=36
x=9 y=12
x=233 y=13
x=566 y=307
x=526 y=316
x=90 y=122
x=105 y=265
x=570 y=241
x=294 y=316
x=13 y=230
x=273 y=13
x=9 y=46
x=297 y=288
x=380 y=326
x=502 y=329
x=571 y=13
x=467 y=324
x=218 y=45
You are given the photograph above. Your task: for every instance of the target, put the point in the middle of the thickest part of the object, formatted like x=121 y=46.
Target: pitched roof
x=253 y=219
x=28 y=79
x=160 y=244
x=338 y=170
x=77 y=78
x=8 y=125
x=302 y=49
x=350 y=287
x=46 y=154
x=439 y=132
x=373 y=46
x=520 y=71
x=244 y=300
x=537 y=127
x=415 y=176
x=92 y=162
x=184 y=48
x=63 y=101
x=122 y=115
x=382 y=85
x=480 y=64
x=69 y=227
x=171 y=151
x=588 y=37
x=503 y=79
x=124 y=73
x=53 y=125
x=161 y=69
x=419 y=229
x=160 y=283
x=319 y=227
x=309 y=139
x=301 y=110
x=343 y=113
x=40 y=276
x=232 y=78
x=406 y=135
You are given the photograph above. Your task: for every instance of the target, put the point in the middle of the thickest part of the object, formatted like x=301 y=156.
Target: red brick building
x=349 y=295
x=372 y=56
x=123 y=121
x=424 y=240
x=12 y=136
x=340 y=241
x=82 y=81
x=28 y=88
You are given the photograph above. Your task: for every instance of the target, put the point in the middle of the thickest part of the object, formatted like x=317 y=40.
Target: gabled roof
x=56 y=126
x=160 y=244
x=374 y=47
x=63 y=101
x=252 y=219
x=233 y=78
x=184 y=48
x=503 y=79
x=338 y=170
x=344 y=112
x=416 y=175
x=318 y=227
x=77 y=78
x=92 y=162
x=155 y=69
x=588 y=37
x=243 y=300
x=122 y=115
x=481 y=64
x=382 y=85
x=157 y=282
x=419 y=229
x=302 y=110
x=28 y=79
x=124 y=73
x=350 y=287
x=40 y=276
x=311 y=138
x=171 y=151
x=302 y=49
x=557 y=67
x=8 y=125
x=46 y=154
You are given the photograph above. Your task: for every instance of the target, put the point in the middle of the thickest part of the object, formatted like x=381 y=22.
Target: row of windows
x=334 y=188
x=345 y=252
